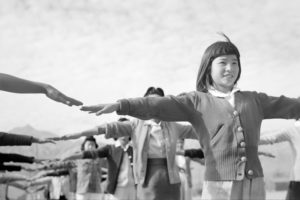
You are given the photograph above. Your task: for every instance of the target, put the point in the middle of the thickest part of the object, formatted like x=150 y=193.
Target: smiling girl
x=226 y=119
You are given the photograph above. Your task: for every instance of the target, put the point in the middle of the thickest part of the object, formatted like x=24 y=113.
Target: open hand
x=267 y=154
x=101 y=108
x=56 y=95
x=57 y=138
x=43 y=141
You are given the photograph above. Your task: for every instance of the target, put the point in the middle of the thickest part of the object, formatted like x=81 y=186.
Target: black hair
x=153 y=90
x=215 y=50
x=89 y=138
x=123 y=119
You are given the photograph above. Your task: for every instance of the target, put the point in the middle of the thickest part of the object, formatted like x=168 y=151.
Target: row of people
x=14 y=84
x=225 y=120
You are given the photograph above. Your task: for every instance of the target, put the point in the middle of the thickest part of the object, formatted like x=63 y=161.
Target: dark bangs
x=213 y=51
x=221 y=48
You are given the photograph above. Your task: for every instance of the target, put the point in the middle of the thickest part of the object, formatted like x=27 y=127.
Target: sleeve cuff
x=87 y=154
x=124 y=107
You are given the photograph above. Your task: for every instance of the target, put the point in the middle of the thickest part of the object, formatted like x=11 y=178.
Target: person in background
x=292 y=136
x=120 y=180
x=13 y=157
x=85 y=175
x=68 y=172
x=154 y=149
x=89 y=174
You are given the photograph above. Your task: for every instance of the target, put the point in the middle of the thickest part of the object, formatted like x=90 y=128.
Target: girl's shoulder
x=194 y=94
x=251 y=93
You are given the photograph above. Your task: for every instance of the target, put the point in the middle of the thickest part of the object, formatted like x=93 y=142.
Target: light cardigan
x=292 y=136
x=139 y=132
x=228 y=135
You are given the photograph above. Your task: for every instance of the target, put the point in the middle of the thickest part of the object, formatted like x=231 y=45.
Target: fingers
x=66 y=100
x=53 y=139
x=91 y=109
x=58 y=96
x=72 y=102
x=99 y=112
x=50 y=141
x=43 y=141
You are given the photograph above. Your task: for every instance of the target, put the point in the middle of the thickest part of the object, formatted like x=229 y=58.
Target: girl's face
x=89 y=145
x=224 y=72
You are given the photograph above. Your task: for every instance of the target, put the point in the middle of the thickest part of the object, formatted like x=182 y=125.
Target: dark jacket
x=11 y=157
x=114 y=156
x=8 y=139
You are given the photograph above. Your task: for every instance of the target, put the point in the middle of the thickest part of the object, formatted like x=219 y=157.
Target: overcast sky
x=101 y=51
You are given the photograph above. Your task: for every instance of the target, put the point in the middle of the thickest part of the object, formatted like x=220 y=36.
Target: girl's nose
x=228 y=67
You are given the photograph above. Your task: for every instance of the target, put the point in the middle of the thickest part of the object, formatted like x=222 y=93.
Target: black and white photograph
x=149 y=100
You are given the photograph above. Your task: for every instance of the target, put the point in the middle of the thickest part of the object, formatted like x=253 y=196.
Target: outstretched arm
x=169 y=108
x=40 y=181
x=13 y=157
x=75 y=156
x=19 y=185
x=18 y=85
x=275 y=137
x=42 y=140
x=90 y=132
x=61 y=172
x=7 y=178
x=9 y=139
x=267 y=154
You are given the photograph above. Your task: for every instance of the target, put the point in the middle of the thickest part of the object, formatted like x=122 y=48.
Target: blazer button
x=235 y=113
x=250 y=172
x=244 y=159
x=240 y=129
x=243 y=144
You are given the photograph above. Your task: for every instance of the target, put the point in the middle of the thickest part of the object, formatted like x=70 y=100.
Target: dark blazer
x=114 y=156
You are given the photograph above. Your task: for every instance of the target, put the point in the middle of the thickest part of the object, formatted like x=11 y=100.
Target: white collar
x=213 y=91
x=152 y=123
